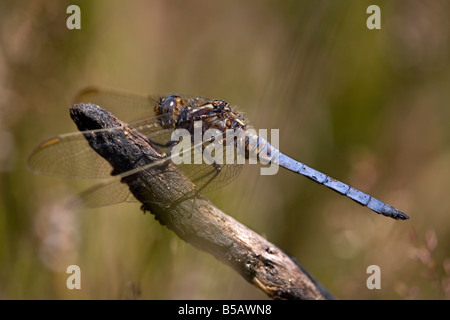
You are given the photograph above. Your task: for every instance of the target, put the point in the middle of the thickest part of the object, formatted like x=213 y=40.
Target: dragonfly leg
x=164 y=145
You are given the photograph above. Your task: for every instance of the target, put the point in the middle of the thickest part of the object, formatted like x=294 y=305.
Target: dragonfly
x=157 y=117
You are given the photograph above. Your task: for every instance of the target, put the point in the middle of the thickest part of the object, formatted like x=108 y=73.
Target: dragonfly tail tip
x=398 y=215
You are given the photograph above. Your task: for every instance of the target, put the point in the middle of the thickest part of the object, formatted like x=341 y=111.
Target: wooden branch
x=162 y=190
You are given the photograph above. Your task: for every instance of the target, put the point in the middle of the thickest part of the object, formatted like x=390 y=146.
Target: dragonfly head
x=170 y=107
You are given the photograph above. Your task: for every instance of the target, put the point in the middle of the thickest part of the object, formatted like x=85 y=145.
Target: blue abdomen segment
x=358 y=196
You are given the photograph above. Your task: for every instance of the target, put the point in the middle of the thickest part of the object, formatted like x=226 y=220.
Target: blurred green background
x=368 y=107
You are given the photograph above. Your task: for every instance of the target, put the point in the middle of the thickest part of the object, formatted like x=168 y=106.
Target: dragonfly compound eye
x=169 y=104
x=169 y=108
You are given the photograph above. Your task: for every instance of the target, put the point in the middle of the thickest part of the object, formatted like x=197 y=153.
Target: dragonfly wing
x=208 y=177
x=151 y=128
x=216 y=168
x=137 y=110
x=127 y=107
x=114 y=190
x=105 y=193
x=68 y=155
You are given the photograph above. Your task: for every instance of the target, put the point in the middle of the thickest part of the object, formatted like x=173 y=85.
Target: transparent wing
x=218 y=171
x=106 y=193
x=113 y=190
x=69 y=155
x=127 y=107
x=206 y=177
x=209 y=177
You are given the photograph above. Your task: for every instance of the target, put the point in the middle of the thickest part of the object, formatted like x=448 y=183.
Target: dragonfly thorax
x=213 y=114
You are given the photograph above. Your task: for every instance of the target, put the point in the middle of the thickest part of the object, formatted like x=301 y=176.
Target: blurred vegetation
x=368 y=107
